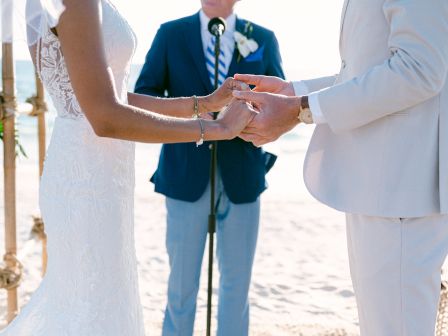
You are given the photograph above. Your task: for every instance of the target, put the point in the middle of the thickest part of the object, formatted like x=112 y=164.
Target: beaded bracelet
x=196 y=113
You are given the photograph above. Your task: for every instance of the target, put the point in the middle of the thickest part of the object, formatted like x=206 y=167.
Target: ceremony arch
x=11 y=272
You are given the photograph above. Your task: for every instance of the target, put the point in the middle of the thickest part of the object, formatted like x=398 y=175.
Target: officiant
x=180 y=62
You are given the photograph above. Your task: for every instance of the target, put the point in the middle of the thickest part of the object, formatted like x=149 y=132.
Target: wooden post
x=8 y=108
x=39 y=109
x=9 y=162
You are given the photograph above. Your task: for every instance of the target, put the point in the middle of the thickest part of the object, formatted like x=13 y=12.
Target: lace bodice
x=119 y=43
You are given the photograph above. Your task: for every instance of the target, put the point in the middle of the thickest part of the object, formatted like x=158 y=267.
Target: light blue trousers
x=236 y=237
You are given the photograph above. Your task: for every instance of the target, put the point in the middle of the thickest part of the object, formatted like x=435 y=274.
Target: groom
x=180 y=63
x=379 y=153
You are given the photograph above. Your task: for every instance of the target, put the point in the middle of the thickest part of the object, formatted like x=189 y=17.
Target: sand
x=301 y=283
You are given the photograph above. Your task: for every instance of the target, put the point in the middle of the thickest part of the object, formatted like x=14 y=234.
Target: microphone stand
x=212 y=216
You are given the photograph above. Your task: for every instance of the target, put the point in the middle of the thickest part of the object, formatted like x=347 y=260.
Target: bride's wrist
x=215 y=130
x=204 y=104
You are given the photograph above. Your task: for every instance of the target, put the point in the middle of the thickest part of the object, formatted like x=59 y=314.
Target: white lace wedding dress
x=91 y=287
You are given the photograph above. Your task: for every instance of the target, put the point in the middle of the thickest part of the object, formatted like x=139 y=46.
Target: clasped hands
x=272 y=105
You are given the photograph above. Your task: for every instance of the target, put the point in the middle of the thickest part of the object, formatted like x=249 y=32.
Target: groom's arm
x=307 y=86
x=153 y=79
x=415 y=72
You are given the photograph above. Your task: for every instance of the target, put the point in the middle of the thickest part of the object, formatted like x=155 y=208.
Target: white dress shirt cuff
x=300 y=88
x=316 y=111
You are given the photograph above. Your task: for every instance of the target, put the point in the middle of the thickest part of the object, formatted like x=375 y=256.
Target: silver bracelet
x=201 y=139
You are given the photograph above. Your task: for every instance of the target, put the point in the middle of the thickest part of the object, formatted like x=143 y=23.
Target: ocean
x=27 y=126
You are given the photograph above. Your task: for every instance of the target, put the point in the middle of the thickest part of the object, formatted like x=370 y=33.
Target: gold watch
x=305 y=114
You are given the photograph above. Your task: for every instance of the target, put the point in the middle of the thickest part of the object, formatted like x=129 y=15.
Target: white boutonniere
x=244 y=43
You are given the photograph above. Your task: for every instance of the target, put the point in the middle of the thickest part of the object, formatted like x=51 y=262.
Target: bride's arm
x=184 y=107
x=79 y=32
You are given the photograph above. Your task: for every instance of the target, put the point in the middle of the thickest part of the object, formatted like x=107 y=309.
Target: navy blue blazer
x=175 y=67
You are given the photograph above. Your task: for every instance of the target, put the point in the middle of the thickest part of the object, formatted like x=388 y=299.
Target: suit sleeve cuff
x=316 y=111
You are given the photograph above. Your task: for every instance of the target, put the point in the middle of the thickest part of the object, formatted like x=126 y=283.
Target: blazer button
x=344 y=64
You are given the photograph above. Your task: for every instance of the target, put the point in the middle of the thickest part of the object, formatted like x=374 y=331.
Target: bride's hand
x=236 y=116
x=222 y=96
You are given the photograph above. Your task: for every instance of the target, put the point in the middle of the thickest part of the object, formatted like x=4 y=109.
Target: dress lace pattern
x=53 y=72
x=86 y=198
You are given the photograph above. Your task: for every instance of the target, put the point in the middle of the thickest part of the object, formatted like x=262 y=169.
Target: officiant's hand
x=277 y=114
x=268 y=84
x=236 y=116
x=216 y=101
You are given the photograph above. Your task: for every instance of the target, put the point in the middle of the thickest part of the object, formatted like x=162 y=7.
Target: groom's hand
x=276 y=116
x=268 y=84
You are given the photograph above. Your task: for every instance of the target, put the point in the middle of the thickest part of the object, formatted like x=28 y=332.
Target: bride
x=82 y=51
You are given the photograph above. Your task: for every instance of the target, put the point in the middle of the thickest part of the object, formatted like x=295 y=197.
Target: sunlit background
x=307 y=30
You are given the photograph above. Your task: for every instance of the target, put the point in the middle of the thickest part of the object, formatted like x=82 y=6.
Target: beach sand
x=301 y=283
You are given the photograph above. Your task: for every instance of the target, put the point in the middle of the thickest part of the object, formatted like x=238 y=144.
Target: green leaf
x=19 y=148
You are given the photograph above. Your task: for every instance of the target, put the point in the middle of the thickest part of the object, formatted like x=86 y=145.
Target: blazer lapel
x=234 y=64
x=193 y=39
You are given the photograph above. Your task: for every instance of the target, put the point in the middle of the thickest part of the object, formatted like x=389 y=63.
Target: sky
x=307 y=30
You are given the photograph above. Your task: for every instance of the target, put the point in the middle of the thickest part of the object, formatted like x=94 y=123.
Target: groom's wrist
x=305 y=116
x=294 y=108
x=288 y=89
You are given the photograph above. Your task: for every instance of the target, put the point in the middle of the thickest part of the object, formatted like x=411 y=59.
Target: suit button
x=344 y=64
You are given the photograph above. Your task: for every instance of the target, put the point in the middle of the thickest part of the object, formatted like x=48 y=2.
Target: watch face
x=306 y=116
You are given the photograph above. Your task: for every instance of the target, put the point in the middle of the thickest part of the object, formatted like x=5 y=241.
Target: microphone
x=217 y=26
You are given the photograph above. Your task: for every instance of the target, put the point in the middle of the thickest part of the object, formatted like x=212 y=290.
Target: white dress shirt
x=227 y=40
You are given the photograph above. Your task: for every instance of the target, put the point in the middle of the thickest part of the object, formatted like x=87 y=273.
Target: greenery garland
x=19 y=148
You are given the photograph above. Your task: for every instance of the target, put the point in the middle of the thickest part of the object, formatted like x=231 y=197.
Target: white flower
x=245 y=46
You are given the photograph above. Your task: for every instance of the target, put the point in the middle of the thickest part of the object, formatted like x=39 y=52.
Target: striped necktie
x=210 y=63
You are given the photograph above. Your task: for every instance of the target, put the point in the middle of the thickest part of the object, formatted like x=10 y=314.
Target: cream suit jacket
x=384 y=150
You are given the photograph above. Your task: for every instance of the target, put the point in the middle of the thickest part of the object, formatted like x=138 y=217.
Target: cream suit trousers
x=395 y=266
